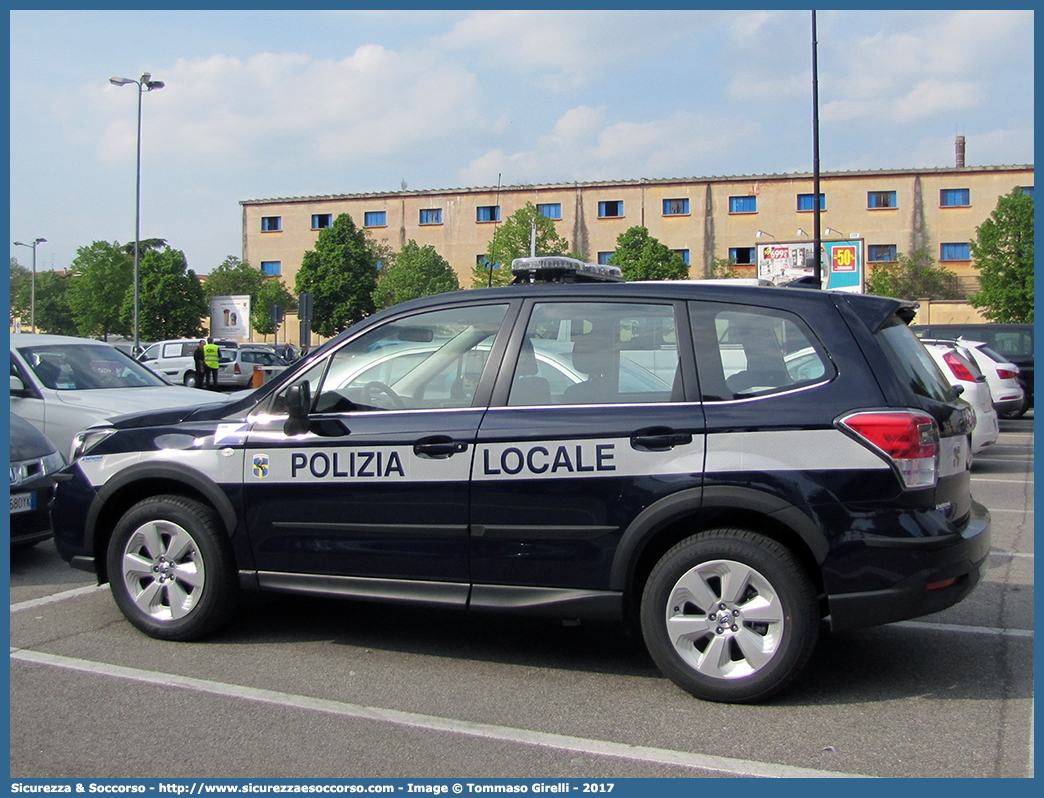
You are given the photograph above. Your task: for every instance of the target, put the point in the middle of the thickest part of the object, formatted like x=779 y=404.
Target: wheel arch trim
x=173 y=472
x=717 y=497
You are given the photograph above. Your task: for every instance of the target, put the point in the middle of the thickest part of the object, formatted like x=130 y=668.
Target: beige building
x=703 y=218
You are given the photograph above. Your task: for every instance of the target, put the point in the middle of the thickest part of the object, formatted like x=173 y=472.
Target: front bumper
x=962 y=558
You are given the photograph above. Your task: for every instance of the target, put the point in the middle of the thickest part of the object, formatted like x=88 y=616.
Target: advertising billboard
x=230 y=316
x=842 y=263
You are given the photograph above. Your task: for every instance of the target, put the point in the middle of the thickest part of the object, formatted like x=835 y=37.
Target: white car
x=1009 y=397
x=962 y=372
x=62 y=385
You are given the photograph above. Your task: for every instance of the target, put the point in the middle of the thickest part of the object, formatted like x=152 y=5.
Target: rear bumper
x=952 y=568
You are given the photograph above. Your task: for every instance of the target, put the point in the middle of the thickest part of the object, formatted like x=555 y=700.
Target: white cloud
x=569 y=49
x=584 y=147
x=934 y=64
x=282 y=109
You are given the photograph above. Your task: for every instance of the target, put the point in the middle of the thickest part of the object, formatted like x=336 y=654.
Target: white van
x=175 y=361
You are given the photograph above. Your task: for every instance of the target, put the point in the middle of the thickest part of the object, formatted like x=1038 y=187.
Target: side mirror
x=299 y=400
x=18 y=387
x=298 y=403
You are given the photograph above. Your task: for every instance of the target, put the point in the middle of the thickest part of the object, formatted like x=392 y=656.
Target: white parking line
x=67 y=594
x=975 y=630
x=1007 y=481
x=560 y=742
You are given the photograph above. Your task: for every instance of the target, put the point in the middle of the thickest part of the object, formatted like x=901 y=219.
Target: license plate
x=22 y=502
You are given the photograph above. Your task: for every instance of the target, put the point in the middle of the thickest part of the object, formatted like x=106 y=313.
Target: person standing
x=199 y=358
x=212 y=362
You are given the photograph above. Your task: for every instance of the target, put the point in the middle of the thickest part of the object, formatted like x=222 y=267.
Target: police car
x=723 y=465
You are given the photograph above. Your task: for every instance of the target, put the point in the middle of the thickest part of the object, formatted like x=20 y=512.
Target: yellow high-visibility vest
x=210 y=356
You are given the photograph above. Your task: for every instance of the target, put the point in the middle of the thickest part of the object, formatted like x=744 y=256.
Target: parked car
x=1013 y=342
x=237 y=365
x=1009 y=398
x=959 y=368
x=786 y=456
x=175 y=359
x=34 y=462
x=62 y=385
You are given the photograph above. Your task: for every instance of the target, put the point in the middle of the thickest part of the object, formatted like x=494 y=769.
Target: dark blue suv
x=723 y=465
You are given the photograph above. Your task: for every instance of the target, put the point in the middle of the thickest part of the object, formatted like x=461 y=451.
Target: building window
x=955 y=252
x=743 y=204
x=379 y=219
x=880 y=199
x=610 y=210
x=603 y=258
x=954 y=198
x=675 y=207
x=431 y=216
x=742 y=256
x=878 y=253
x=552 y=210
x=271 y=224
x=1028 y=191
x=805 y=202
x=684 y=255
x=488 y=213
x=272 y=267
x=321 y=220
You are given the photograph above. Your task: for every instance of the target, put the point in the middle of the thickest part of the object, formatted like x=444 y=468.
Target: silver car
x=62 y=385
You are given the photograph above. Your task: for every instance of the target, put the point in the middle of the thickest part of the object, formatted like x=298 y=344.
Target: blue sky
x=262 y=104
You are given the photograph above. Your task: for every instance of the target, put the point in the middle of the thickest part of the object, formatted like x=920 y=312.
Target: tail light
x=908 y=439
x=237 y=369
x=1007 y=374
x=960 y=371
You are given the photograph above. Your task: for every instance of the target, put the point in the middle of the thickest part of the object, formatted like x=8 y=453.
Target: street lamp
x=146 y=83
x=32 y=285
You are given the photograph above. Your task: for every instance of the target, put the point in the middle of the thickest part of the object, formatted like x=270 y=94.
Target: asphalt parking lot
x=315 y=688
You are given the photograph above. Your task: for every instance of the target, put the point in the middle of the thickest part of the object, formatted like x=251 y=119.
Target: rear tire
x=730 y=616
x=172 y=570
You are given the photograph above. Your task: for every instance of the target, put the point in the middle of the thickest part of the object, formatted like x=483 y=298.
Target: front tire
x=730 y=616
x=172 y=569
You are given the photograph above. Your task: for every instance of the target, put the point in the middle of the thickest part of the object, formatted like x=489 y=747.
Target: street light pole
x=32 y=285
x=144 y=84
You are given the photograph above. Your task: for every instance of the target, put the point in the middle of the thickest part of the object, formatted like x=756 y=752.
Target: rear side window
x=746 y=352
x=597 y=353
x=921 y=374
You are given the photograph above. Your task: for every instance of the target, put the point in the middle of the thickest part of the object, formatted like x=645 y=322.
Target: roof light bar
x=556 y=269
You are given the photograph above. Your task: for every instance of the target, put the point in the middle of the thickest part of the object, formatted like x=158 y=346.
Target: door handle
x=438 y=447
x=659 y=439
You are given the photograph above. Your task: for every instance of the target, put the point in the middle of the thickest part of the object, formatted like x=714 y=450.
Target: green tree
x=723 y=269
x=1003 y=253
x=145 y=245
x=273 y=291
x=511 y=240
x=53 y=313
x=417 y=271
x=234 y=277
x=913 y=276
x=641 y=257
x=20 y=276
x=171 y=299
x=341 y=273
x=104 y=275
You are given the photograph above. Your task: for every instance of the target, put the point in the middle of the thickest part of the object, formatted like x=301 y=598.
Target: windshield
x=85 y=367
